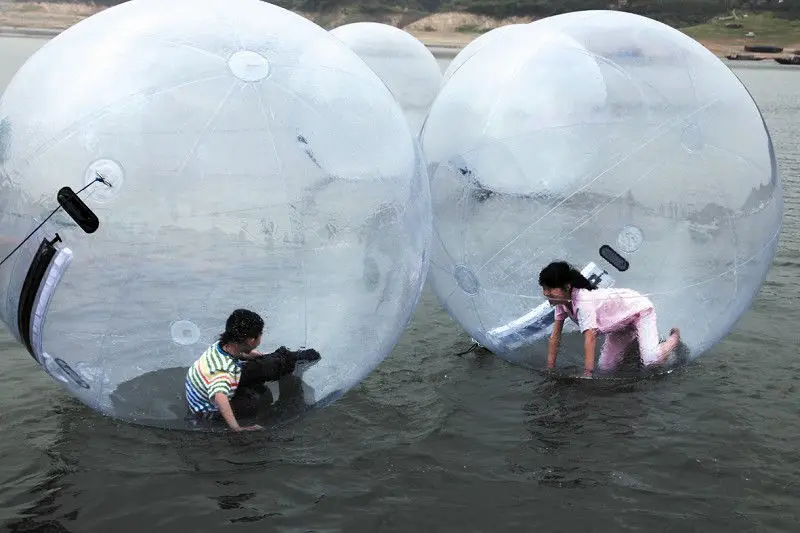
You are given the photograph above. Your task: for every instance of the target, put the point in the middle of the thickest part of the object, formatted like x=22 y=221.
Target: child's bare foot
x=667 y=348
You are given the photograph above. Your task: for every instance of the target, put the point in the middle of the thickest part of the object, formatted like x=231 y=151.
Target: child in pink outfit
x=622 y=315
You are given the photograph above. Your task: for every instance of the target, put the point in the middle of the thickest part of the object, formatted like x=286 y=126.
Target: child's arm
x=589 y=344
x=253 y=354
x=226 y=411
x=555 y=341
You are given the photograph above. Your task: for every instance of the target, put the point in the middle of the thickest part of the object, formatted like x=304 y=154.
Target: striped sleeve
x=220 y=381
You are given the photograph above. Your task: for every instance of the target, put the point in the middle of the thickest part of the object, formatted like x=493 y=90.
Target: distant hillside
x=723 y=26
x=674 y=12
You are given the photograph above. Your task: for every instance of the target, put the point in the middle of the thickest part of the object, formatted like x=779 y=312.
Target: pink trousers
x=642 y=329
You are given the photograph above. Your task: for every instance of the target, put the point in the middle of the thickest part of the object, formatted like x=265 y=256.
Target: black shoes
x=309 y=355
x=292 y=357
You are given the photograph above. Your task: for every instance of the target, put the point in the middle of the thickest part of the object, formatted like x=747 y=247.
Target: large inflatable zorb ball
x=610 y=141
x=204 y=157
x=405 y=65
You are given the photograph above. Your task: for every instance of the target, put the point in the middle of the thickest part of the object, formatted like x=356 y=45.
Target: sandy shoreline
x=437 y=31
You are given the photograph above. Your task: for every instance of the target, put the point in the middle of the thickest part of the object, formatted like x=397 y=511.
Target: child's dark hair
x=559 y=274
x=243 y=324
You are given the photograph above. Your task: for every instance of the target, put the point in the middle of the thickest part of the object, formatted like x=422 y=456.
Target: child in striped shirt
x=222 y=381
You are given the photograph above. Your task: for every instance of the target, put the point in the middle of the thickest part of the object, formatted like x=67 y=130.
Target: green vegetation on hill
x=766 y=27
x=673 y=12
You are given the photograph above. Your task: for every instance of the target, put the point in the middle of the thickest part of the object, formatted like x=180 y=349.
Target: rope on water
x=475 y=346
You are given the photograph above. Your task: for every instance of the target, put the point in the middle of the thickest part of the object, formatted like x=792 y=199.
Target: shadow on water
x=156 y=399
x=569 y=364
x=90 y=454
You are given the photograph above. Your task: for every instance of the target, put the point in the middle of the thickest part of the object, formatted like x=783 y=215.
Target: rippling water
x=433 y=441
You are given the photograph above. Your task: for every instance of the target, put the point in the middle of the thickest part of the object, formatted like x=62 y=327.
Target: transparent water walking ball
x=611 y=141
x=206 y=157
x=405 y=65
